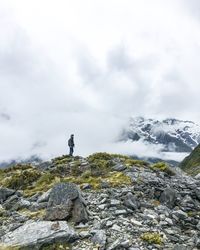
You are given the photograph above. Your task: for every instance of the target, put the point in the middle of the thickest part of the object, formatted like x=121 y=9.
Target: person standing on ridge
x=71 y=145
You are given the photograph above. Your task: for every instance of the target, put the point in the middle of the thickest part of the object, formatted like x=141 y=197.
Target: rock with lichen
x=65 y=202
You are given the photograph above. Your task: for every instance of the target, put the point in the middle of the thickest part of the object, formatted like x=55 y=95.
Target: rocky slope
x=100 y=202
x=174 y=135
x=191 y=164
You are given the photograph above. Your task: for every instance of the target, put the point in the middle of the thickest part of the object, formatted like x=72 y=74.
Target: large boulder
x=65 y=202
x=169 y=197
x=33 y=235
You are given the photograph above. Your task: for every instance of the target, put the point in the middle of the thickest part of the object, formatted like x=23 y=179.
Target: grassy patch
x=191 y=164
x=62 y=160
x=132 y=162
x=75 y=168
x=152 y=238
x=33 y=215
x=164 y=167
x=117 y=179
x=100 y=163
x=44 y=183
x=22 y=179
x=113 y=178
x=57 y=246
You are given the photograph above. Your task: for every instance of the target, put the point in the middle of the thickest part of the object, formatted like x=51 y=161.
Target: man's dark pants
x=71 y=151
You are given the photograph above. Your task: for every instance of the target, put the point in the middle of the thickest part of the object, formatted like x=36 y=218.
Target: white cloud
x=86 y=66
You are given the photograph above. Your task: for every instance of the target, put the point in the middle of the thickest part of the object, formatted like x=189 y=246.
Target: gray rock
x=59 y=212
x=84 y=234
x=119 y=167
x=34 y=197
x=86 y=186
x=102 y=206
x=131 y=201
x=116 y=228
x=198 y=193
x=23 y=203
x=65 y=201
x=180 y=214
x=115 y=245
x=198 y=226
x=5 y=193
x=104 y=184
x=114 y=202
x=12 y=203
x=120 y=212
x=63 y=192
x=197 y=177
x=79 y=212
x=168 y=197
x=100 y=239
x=44 y=197
x=180 y=247
x=37 y=234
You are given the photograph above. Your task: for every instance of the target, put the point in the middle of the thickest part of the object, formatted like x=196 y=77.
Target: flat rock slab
x=33 y=234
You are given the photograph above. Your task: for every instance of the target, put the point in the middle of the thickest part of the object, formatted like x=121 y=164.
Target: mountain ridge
x=191 y=163
x=172 y=134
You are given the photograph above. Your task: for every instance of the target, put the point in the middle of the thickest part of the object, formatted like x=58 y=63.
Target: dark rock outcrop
x=65 y=202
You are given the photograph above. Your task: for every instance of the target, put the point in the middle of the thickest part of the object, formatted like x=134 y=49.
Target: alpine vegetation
x=103 y=201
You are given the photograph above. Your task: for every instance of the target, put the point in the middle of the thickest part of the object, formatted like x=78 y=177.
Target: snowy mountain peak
x=174 y=135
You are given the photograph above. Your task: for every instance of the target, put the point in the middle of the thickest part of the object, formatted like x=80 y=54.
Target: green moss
x=103 y=159
x=61 y=160
x=33 y=215
x=60 y=170
x=152 y=238
x=120 y=157
x=191 y=164
x=57 y=246
x=76 y=168
x=3 y=247
x=99 y=156
x=44 y=183
x=93 y=181
x=20 y=167
x=131 y=162
x=3 y=213
x=193 y=213
x=162 y=166
x=101 y=164
x=51 y=246
x=86 y=174
x=115 y=179
x=23 y=179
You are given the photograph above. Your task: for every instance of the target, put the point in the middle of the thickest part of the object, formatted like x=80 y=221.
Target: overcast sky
x=85 y=67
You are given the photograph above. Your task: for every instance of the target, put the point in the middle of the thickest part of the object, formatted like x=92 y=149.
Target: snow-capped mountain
x=174 y=135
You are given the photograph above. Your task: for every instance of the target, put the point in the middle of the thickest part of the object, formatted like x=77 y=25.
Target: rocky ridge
x=100 y=202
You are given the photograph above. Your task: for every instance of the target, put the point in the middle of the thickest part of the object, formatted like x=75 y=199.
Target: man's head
x=72 y=136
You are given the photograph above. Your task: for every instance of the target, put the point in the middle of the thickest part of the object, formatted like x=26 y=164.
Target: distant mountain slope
x=191 y=164
x=34 y=159
x=174 y=135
